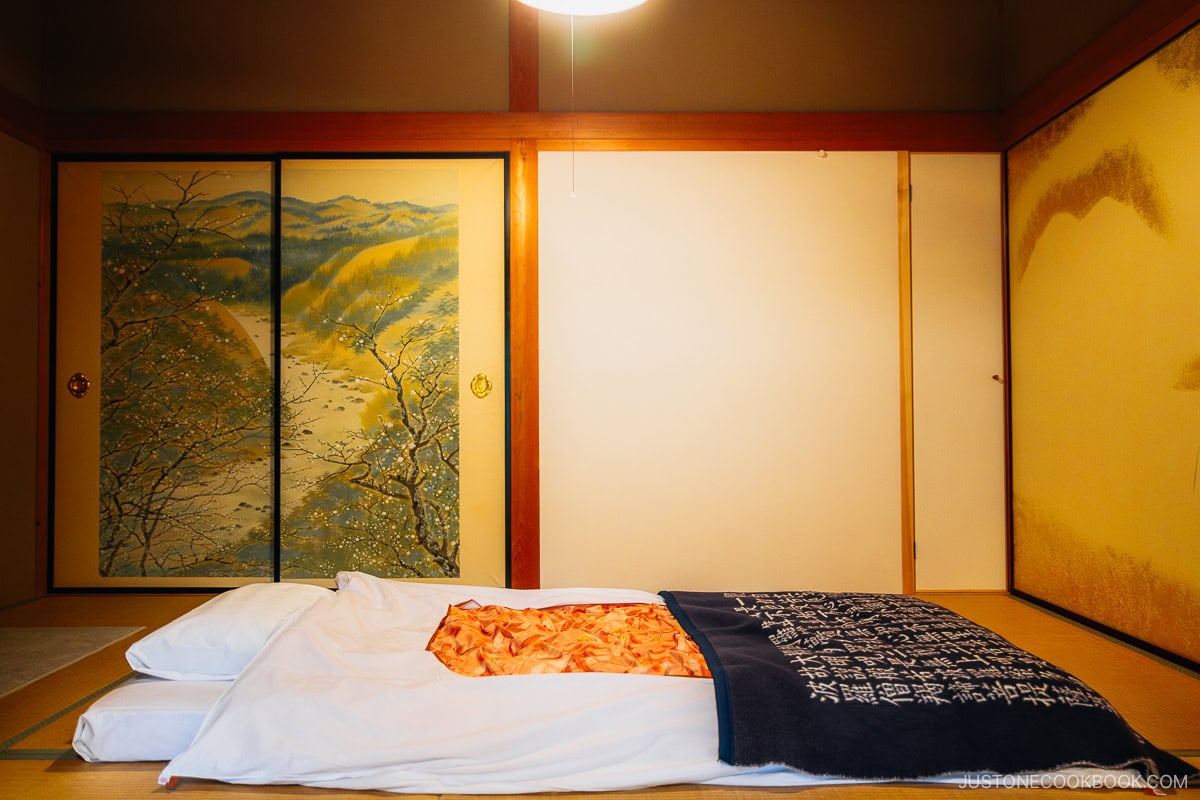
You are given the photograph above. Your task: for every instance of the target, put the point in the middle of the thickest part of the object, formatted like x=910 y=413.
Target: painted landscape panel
x=185 y=371
x=369 y=375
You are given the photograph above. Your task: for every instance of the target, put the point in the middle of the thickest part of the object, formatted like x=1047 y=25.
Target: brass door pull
x=481 y=385
x=78 y=385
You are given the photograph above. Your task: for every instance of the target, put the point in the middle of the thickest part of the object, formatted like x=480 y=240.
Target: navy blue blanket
x=893 y=687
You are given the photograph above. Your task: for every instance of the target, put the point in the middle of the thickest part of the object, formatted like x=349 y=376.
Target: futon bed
x=353 y=689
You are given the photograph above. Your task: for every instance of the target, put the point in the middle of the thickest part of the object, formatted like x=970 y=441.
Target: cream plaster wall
x=719 y=370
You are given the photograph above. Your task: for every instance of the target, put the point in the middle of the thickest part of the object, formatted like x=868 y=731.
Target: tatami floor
x=36 y=722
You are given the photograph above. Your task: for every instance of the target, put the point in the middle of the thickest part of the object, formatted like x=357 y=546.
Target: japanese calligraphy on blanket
x=860 y=648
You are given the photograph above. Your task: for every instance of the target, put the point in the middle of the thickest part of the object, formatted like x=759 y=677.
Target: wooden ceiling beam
x=270 y=132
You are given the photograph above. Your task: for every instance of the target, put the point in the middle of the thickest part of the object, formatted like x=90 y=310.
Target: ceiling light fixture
x=583 y=8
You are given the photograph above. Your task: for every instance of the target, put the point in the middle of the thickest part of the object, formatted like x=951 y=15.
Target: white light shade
x=583 y=8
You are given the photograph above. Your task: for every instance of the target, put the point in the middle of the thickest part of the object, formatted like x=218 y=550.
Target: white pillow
x=214 y=641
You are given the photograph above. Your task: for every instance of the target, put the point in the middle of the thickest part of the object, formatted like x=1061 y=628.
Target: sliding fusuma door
x=383 y=266
x=1104 y=281
x=279 y=368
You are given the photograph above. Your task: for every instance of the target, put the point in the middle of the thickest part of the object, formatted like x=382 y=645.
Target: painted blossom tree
x=390 y=504
x=186 y=401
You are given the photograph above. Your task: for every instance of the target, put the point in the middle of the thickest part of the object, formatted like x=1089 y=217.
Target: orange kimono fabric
x=635 y=638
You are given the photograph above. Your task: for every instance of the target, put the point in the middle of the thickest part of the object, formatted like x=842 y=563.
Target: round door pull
x=481 y=385
x=78 y=385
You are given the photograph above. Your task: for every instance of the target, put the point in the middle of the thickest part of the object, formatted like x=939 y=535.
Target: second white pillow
x=217 y=639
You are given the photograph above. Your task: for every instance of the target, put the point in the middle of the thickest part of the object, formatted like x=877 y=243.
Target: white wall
x=719 y=366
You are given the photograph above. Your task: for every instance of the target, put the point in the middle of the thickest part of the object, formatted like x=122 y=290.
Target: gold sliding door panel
x=1104 y=243
x=171 y=424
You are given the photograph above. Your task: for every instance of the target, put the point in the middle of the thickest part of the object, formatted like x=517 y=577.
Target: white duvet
x=345 y=696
